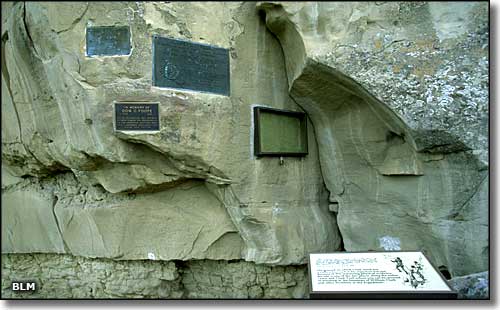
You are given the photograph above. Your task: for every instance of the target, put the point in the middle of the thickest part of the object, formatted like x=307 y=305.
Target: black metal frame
x=303 y=123
x=408 y=295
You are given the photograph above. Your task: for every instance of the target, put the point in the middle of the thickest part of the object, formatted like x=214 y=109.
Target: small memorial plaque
x=280 y=132
x=137 y=116
x=108 y=40
x=376 y=275
x=191 y=66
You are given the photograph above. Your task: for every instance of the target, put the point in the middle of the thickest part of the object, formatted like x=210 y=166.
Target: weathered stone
x=186 y=222
x=58 y=112
x=28 y=223
x=66 y=276
x=427 y=61
x=389 y=89
x=396 y=94
x=473 y=286
x=8 y=179
x=239 y=280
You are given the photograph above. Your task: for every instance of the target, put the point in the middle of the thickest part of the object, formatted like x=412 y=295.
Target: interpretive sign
x=136 y=116
x=191 y=66
x=279 y=132
x=375 y=275
x=108 y=40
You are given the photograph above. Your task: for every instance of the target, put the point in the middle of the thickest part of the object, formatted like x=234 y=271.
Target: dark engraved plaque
x=192 y=66
x=280 y=132
x=136 y=116
x=108 y=40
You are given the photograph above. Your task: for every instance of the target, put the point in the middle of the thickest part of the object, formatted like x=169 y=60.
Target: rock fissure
x=75 y=22
x=54 y=203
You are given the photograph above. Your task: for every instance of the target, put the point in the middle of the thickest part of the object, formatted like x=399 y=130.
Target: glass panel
x=281 y=133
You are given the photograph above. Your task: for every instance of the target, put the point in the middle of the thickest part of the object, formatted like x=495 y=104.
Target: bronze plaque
x=108 y=40
x=191 y=66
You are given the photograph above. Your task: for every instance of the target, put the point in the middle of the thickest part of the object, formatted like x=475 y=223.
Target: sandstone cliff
x=396 y=95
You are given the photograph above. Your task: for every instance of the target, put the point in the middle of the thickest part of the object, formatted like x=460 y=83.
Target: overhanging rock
x=388 y=175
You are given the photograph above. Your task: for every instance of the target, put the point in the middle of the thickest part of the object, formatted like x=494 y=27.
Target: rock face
x=53 y=215
x=67 y=276
x=192 y=190
x=473 y=286
x=398 y=94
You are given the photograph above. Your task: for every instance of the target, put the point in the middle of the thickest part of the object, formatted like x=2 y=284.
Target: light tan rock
x=396 y=94
x=28 y=223
x=8 y=179
x=67 y=276
x=388 y=87
x=63 y=103
x=181 y=223
x=62 y=216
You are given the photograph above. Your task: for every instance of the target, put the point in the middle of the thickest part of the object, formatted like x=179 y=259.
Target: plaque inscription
x=407 y=275
x=108 y=40
x=136 y=116
x=192 y=66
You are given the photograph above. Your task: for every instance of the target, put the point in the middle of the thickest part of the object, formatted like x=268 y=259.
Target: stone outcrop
x=67 y=276
x=194 y=182
x=472 y=286
x=398 y=95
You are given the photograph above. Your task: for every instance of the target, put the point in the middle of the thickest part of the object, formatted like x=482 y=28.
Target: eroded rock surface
x=472 y=286
x=398 y=94
x=67 y=276
x=199 y=192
